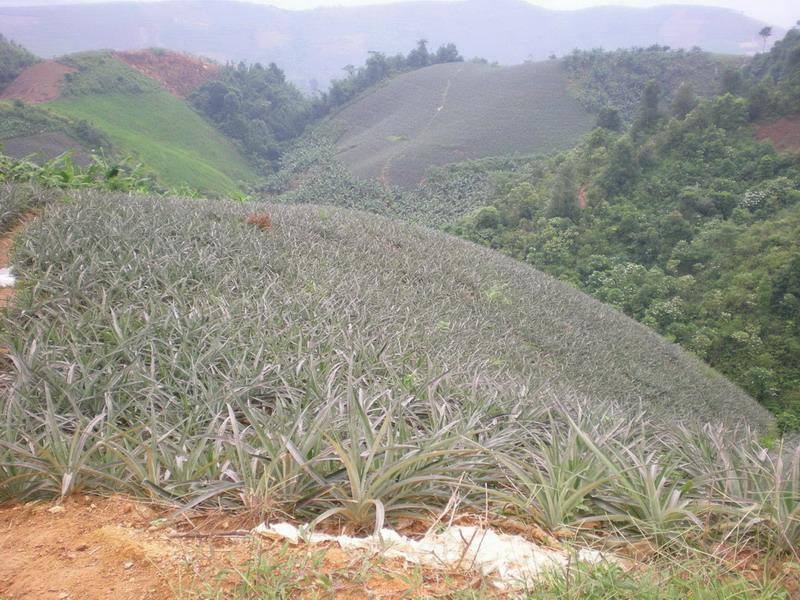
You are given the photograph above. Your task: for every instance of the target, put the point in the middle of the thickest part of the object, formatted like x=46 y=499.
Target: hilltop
x=455 y=112
x=314 y=45
x=450 y=113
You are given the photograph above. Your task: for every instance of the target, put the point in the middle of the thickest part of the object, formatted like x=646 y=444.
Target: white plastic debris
x=512 y=560
x=6 y=278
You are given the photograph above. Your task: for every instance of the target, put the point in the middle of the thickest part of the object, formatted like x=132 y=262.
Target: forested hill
x=313 y=46
x=684 y=221
x=602 y=80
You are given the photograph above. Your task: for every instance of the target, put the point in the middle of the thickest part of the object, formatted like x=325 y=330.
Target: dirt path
x=6 y=241
x=37 y=84
x=386 y=171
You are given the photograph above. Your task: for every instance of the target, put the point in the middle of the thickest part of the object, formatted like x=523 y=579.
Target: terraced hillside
x=455 y=112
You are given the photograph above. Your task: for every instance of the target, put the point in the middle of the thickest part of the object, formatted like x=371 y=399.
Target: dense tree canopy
x=774 y=78
x=255 y=106
x=618 y=79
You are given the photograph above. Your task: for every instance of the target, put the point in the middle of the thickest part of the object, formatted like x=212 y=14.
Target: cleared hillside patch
x=39 y=83
x=179 y=73
x=783 y=133
x=456 y=112
x=164 y=133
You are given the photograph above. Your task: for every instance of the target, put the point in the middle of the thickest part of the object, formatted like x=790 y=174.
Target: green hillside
x=154 y=126
x=166 y=135
x=455 y=112
x=321 y=363
x=486 y=313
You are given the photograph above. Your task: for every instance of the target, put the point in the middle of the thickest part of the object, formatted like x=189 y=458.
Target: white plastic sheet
x=510 y=559
x=6 y=278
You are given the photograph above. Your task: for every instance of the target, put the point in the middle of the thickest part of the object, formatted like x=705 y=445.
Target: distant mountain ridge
x=313 y=46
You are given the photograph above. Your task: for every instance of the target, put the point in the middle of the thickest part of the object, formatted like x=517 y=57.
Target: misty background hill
x=313 y=46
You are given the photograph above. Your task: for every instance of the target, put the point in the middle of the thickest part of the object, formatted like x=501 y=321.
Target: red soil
x=583 y=200
x=180 y=73
x=93 y=548
x=37 y=84
x=783 y=133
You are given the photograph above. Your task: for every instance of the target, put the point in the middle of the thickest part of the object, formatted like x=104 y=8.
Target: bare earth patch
x=90 y=548
x=116 y=548
x=583 y=198
x=783 y=133
x=179 y=73
x=37 y=84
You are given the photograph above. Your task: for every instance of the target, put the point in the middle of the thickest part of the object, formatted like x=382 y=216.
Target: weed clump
x=262 y=220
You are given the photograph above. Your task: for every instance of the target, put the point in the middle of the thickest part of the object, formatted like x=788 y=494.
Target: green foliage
x=564 y=195
x=13 y=60
x=255 y=106
x=774 y=78
x=684 y=101
x=690 y=229
x=62 y=172
x=731 y=82
x=608 y=118
x=649 y=114
x=692 y=579
x=618 y=79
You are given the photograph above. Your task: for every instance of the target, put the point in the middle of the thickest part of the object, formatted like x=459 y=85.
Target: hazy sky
x=776 y=12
